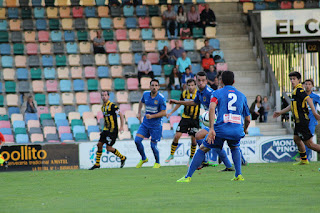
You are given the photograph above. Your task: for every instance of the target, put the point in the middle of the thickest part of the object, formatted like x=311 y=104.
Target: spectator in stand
x=257 y=109
x=98 y=44
x=207 y=48
x=207 y=62
x=144 y=68
x=266 y=107
x=212 y=77
x=181 y=19
x=114 y=3
x=207 y=18
x=183 y=62
x=174 y=79
x=165 y=57
x=176 y=52
x=29 y=106
x=169 y=18
x=185 y=77
x=193 y=18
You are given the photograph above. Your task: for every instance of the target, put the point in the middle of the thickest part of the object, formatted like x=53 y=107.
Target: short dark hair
x=295 y=74
x=191 y=80
x=154 y=80
x=206 y=40
x=310 y=80
x=227 y=77
x=187 y=68
x=105 y=91
x=202 y=73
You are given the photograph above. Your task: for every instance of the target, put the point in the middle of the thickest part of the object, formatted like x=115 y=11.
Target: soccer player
x=302 y=134
x=189 y=122
x=152 y=122
x=110 y=131
x=203 y=97
x=233 y=119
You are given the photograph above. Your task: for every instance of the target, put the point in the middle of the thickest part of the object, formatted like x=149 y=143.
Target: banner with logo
x=41 y=157
x=290 y=23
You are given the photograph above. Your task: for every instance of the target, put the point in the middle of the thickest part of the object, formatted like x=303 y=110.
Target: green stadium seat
x=54 y=24
x=134 y=127
x=10 y=86
x=20 y=130
x=119 y=84
x=36 y=73
x=1 y=100
x=108 y=35
x=76 y=122
x=26 y=13
x=175 y=94
x=4 y=117
x=197 y=32
x=40 y=99
x=18 y=49
x=4 y=36
x=45 y=116
x=81 y=137
x=61 y=60
x=168 y=69
x=82 y=35
x=92 y=85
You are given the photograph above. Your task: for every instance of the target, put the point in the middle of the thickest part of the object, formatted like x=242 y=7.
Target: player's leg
x=141 y=134
x=156 y=134
x=243 y=160
x=174 y=146
x=99 y=151
x=193 y=148
x=236 y=157
x=110 y=143
x=312 y=128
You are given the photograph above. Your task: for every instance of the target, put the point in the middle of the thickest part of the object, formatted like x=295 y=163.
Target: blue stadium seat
x=49 y=73
x=215 y=43
x=93 y=129
x=41 y=24
x=47 y=61
x=114 y=59
x=60 y=116
x=105 y=23
x=13 y=110
x=22 y=74
x=65 y=85
x=90 y=12
x=78 y=85
x=13 y=13
x=167 y=134
x=133 y=120
x=260 y=6
x=30 y=116
x=141 y=10
x=66 y=137
x=195 y=68
x=83 y=108
x=103 y=72
x=22 y=138
x=131 y=22
x=128 y=10
x=137 y=57
x=165 y=94
x=19 y=124
x=156 y=69
x=220 y=54
x=100 y=2
x=112 y=96
x=72 y=48
x=188 y=44
x=1 y=90
x=54 y=98
x=165 y=119
x=6 y=131
x=78 y=129
x=162 y=43
x=62 y=123
x=38 y=12
x=146 y=34
x=36 y=3
x=5 y=49
x=175 y=126
x=7 y=61
x=254 y=131
x=69 y=36
x=56 y=36
x=3 y=25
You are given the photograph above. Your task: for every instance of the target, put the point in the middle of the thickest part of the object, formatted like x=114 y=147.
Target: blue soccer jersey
x=313 y=121
x=204 y=97
x=153 y=106
x=231 y=108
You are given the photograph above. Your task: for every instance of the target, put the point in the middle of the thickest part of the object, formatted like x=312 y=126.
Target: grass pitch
x=279 y=187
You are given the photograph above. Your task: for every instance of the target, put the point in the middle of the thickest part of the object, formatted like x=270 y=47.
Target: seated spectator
x=185 y=77
x=207 y=62
x=177 y=51
x=181 y=19
x=183 y=62
x=165 y=57
x=144 y=68
x=207 y=48
x=169 y=18
x=114 y=3
x=207 y=18
x=266 y=107
x=98 y=43
x=29 y=106
x=193 y=18
x=257 y=109
x=212 y=75
x=174 y=79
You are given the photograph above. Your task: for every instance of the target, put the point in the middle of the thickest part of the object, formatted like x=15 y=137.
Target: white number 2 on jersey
x=232 y=101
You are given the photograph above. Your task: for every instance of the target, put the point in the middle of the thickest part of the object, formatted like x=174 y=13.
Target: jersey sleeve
x=181 y=96
x=316 y=99
x=302 y=95
x=115 y=109
x=163 y=105
x=142 y=98
x=197 y=99
x=246 y=110
x=214 y=97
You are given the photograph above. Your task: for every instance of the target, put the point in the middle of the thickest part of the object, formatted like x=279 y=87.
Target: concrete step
x=244 y=76
x=256 y=79
x=232 y=45
x=233 y=39
x=224 y=7
x=251 y=92
x=234 y=56
x=232 y=28
x=228 y=18
x=274 y=132
x=245 y=65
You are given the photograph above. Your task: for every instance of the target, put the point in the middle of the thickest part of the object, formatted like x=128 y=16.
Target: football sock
x=212 y=155
x=193 y=150
x=117 y=153
x=155 y=150
x=98 y=156
x=196 y=162
x=173 y=148
x=242 y=158
x=303 y=155
x=236 y=157
x=138 y=142
x=223 y=156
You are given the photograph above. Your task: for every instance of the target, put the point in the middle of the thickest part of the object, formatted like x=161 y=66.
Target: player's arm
x=313 y=109
x=186 y=103
x=121 y=121
x=212 y=117
x=173 y=110
x=246 y=123
x=158 y=115
x=283 y=111
x=139 y=111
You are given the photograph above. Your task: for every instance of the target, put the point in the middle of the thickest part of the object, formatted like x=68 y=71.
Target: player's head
x=188 y=71
x=258 y=99
x=308 y=85
x=144 y=57
x=154 y=86
x=227 y=78
x=202 y=80
x=295 y=78
x=191 y=84
x=265 y=99
x=105 y=96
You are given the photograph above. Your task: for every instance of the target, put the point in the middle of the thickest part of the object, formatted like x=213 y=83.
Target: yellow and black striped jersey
x=299 y=105
x=190 y=111
x=110 y=112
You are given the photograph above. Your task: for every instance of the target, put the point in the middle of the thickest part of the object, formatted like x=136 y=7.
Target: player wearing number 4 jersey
x=232 y=121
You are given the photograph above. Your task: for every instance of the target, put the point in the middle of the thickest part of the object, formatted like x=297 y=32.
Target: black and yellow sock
x=303 y=155
x=117 y=153
x=193 y=150
x=173 y=147
x=98 y=158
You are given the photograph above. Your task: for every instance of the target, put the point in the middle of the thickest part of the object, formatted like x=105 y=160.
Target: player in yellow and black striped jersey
x=299 y=108
x=190 y=119
x=110 y=131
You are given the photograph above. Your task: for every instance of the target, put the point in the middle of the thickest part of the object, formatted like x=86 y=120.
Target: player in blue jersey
x=152 y=122
x=233 y=118
x=203 y=97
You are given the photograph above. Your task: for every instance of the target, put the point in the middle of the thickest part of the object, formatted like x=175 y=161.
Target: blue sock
x=212 y=155
x=223 y=156
x=140 y=147
x=155 y=151
x=243 y=161
x=196 y=161
x=236 y=157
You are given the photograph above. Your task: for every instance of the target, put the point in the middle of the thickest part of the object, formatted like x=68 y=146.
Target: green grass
x=279 y=187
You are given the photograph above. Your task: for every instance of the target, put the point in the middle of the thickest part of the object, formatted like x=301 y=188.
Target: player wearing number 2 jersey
x=233 y=118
